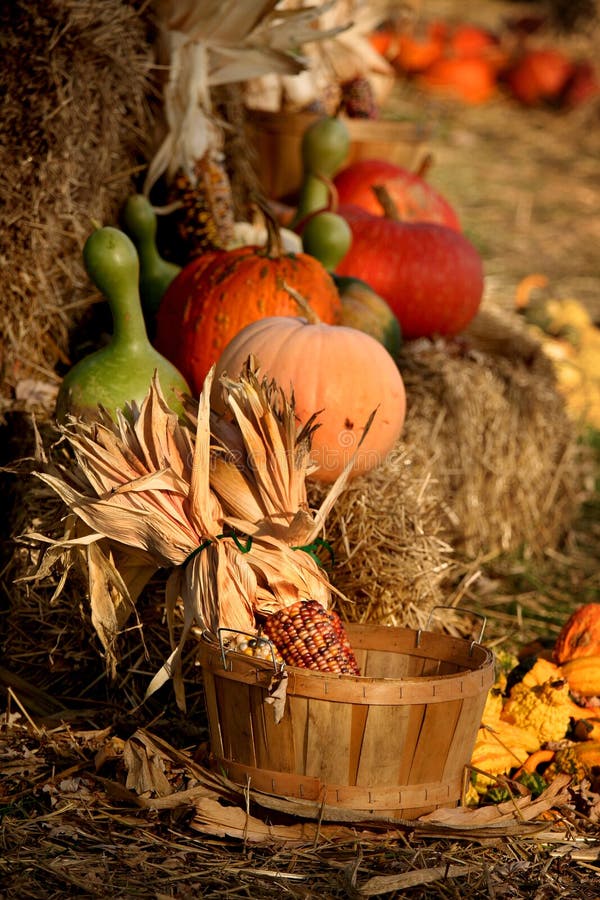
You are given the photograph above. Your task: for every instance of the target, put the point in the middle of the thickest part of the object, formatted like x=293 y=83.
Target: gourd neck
x=129 y=326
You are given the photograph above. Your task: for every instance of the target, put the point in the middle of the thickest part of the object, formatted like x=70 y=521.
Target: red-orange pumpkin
x=219 y=293
x=414 y=198
x=580 y=635
x=339 y=372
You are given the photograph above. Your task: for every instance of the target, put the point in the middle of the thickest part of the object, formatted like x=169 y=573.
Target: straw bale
x=76 y=121
x=486 y=416
x=391 y=560
x=488 y=464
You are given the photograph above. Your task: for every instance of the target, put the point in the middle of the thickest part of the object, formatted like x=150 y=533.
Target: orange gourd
x=580 y=635
x=340 y=373
x=217 y=294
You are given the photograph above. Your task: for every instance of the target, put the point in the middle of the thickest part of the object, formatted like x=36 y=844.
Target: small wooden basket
x=277 y=137
x=390 y=744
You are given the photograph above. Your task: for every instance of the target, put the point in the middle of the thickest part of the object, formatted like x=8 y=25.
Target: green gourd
x=156 y=273
x=324 y=148
x=327 y=237
x=364 y=309
x=122 y=371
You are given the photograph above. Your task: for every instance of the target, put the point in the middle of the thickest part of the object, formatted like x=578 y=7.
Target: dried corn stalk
x=202 y=45
x=228 y=516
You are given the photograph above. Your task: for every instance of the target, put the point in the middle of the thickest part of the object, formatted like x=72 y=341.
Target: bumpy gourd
x=122 y=371
x=156 y=273
x=219 y=293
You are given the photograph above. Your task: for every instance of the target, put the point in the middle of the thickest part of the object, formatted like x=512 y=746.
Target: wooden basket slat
x=358 y=748
x=237 y=733
x=273 y=743
x=328 y=740
x=299 y=721
x=381 y=758
x=212 y=712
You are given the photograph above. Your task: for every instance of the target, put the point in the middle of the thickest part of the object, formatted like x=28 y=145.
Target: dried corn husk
x=227 y=515
x=205 y=44
x=345 y=55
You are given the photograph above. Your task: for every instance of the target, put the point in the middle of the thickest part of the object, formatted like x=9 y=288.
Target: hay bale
x=76 y=122
x=485 y=417
x=392 y=562
x=489 y=463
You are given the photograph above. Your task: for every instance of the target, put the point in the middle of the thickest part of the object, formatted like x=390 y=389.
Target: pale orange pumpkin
x=341 y=373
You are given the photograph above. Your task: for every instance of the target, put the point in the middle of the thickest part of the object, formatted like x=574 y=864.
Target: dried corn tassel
x=311 y=637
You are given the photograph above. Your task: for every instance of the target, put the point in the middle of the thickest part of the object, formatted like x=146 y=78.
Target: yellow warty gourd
x=544 y=709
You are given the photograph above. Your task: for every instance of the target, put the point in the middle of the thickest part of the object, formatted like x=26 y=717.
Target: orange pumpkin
x=338 y=372
x=580 y=635
x=219 y=293
x=418 y=48
x=469 y=79
x=385 y=41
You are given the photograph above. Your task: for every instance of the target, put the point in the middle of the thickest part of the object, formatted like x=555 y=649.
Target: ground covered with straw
x=104 y=793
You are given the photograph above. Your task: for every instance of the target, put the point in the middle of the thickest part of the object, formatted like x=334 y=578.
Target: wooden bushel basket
x=277 y=138
x=390 y=744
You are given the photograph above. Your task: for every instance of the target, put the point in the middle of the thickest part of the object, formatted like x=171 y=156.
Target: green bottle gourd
x=122 y=371
x=156 y=273
x=324 y=148
x=327 y=237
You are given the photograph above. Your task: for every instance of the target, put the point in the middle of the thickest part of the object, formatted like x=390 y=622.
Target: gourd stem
x=330 y=206
x=307 y=310
x=310 y=203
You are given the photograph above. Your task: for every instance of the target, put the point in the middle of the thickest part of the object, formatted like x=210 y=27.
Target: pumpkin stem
x=389 y=207
x=424 y=166
x=303 y=303
x=274 y=243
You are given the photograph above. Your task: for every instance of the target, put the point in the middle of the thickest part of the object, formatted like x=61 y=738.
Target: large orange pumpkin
x=338 y=372
x=219 y=293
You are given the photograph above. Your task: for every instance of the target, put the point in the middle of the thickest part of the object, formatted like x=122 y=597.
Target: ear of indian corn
x=311 y=637
x=205 y=220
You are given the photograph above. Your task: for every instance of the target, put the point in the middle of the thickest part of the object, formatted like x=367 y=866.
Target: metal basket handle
x=453 y=609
